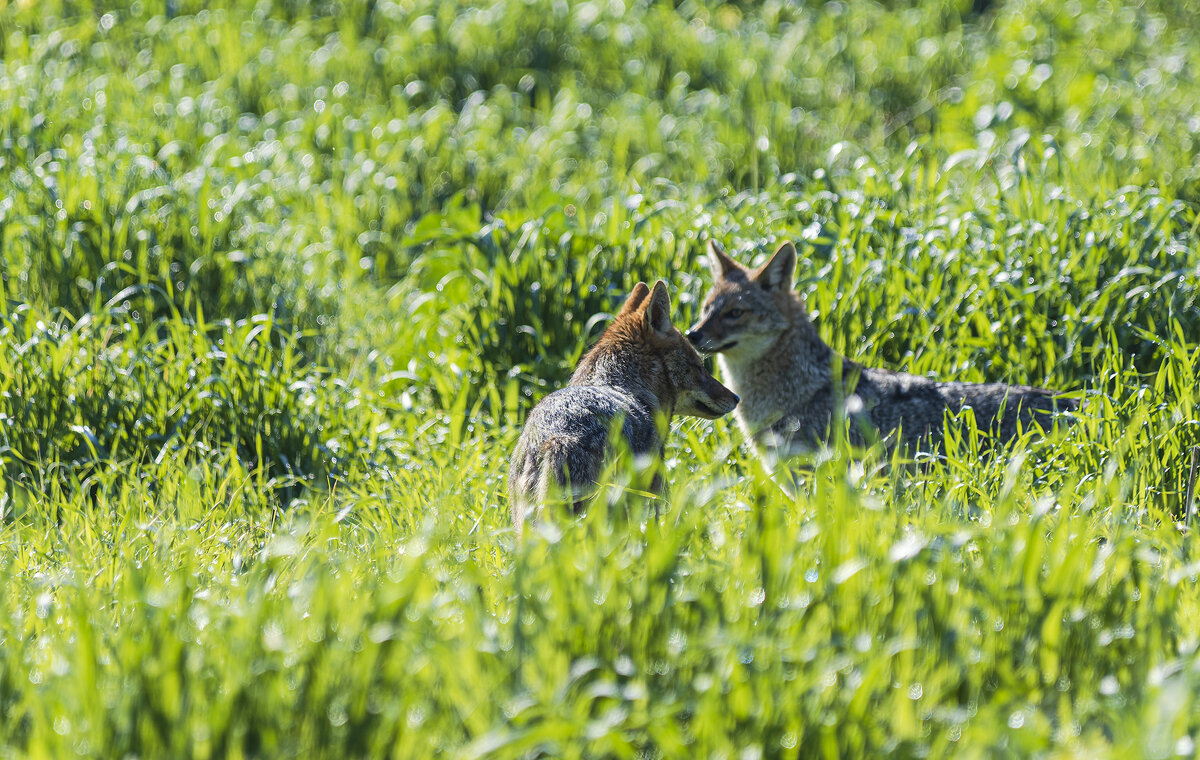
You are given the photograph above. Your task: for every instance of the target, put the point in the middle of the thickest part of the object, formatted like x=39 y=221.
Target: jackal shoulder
x=588 y=412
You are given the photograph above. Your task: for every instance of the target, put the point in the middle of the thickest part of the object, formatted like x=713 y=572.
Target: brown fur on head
x=747 y=310
x=641 y=348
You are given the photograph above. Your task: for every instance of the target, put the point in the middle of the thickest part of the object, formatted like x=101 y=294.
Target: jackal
x=791 y=383
x=640 y=373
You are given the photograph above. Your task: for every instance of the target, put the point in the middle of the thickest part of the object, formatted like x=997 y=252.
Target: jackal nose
x=693 y=336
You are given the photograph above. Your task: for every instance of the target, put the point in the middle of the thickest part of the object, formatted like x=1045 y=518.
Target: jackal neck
x=797 y=360
x=803 y=347
x=644 y=380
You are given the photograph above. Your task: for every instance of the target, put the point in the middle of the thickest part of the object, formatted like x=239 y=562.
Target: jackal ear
x=720 y=264
x=640 y=291
x=779 y=271
x=658 y=309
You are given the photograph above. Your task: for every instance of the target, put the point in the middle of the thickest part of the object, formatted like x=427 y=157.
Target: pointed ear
x=640 y=291
x=779 y=271
x=658 y=309
x=720 y=263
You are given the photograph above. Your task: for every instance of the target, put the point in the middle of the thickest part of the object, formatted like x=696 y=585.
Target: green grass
x=282 y=280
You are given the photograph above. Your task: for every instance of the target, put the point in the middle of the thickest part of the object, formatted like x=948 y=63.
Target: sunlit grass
x=281 y=282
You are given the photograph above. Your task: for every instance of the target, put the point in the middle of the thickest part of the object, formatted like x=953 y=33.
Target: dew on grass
x=1185 y=746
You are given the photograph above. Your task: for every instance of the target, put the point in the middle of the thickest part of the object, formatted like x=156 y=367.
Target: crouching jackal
x=641 y=371
x=791 y=382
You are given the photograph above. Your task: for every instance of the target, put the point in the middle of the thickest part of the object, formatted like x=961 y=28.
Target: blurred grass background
x=281 y=281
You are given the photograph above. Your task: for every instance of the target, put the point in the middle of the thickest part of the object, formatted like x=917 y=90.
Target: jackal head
x=642 y=346
x=747 y=309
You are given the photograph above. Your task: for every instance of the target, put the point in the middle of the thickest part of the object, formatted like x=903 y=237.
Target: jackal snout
x=701 y=394
x=710 y=337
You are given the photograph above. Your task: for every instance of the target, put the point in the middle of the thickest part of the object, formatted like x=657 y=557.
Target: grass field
x=282 y=280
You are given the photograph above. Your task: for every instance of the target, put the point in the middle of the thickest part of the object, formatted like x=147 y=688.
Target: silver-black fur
x=791 y=382
x=640 y=373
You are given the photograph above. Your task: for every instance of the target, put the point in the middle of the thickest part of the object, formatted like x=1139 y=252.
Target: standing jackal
x=791 y=383
x=641 y=371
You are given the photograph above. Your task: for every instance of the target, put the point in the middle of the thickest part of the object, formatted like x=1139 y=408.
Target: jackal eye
x=733 y=313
